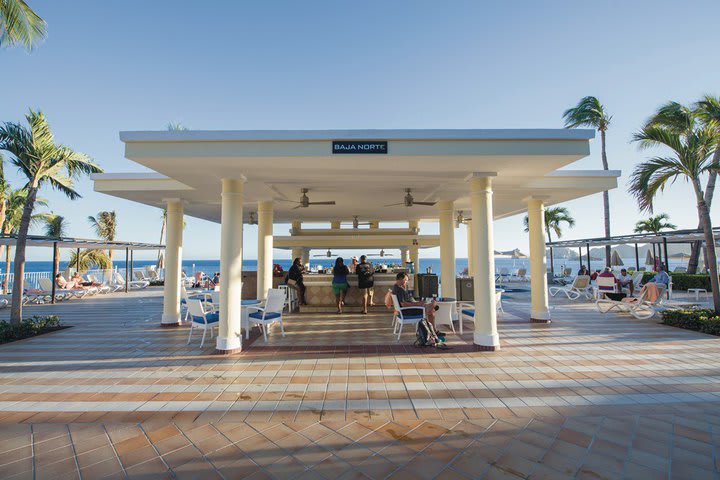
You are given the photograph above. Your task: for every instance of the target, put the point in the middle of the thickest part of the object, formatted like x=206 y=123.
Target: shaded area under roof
x=674 y=236
x=69 y=242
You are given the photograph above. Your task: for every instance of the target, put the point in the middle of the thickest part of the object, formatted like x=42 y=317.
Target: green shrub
x=683 y=281
x=28 y=327
x=701 y=320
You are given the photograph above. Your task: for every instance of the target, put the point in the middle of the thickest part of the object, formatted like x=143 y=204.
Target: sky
x=111 y=66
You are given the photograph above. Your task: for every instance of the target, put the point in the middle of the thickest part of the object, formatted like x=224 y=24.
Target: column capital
x=445 y=205
x=265 y=205
x=541 y=198
x=233 y=186
x=174 y=201
x=473 y=175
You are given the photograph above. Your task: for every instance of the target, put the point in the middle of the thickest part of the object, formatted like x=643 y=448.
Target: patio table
x=449 y=305
x=245 y=315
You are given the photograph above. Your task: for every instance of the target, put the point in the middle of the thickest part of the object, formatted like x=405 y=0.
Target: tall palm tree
x=14 y=204
x=55 y=227
x=589 y=112
x=554 y=217
x=91 y=258
x=105 y=226
x=20 y=25
x=34 y=151
x=690 y=158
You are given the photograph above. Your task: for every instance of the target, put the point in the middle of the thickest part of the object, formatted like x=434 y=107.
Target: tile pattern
x=588 y=396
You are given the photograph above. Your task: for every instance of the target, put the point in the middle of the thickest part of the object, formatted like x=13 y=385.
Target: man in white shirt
x=625 y=280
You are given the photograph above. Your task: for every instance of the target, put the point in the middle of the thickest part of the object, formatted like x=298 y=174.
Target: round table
x=245 y=315
x=447 y=311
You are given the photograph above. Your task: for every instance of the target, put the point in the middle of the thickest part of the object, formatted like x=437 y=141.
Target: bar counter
x=319 y=292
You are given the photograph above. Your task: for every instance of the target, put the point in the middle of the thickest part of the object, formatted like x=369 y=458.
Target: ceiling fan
x=356 y=223
x=380 y=254
x=327 y=254
x=461 y=219
x=409 y=200
x=305 y=200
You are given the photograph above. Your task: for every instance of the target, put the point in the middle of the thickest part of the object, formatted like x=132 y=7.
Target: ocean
x=210 y=266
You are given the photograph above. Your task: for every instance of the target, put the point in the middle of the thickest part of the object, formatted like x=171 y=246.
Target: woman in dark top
x=340 y=283
x=296 y=275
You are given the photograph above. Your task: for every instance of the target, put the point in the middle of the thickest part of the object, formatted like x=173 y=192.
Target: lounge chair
x=139 y=284
x=637 y=280
x=641 y=308
x=140 y=277
x=103 y=288
x=503 y=276
x=579 y=286
x=522 y=275
x=60 y=293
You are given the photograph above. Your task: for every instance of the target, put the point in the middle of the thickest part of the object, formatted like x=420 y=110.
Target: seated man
x=607 y=273
x=594 y=275
x=583 y=270
x=399 y=289
x=661 y=276
x=625 y=280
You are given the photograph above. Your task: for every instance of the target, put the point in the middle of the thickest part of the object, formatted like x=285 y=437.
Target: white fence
x=32 y=279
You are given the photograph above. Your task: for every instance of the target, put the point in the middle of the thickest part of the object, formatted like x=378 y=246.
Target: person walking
x=366 y=281
x=339 y=282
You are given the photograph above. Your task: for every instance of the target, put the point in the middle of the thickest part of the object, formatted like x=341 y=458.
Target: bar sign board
x=360 y=147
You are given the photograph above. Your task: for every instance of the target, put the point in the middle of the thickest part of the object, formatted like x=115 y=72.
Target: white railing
x=32 y=279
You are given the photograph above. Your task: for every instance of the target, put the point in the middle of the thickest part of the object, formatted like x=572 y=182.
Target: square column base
x=228 y=345
x=485 y=342
x=171 y=320
x=540 y=320
x=540 y=317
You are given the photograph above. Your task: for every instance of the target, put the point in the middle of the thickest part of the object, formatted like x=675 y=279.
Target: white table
x=697 y=291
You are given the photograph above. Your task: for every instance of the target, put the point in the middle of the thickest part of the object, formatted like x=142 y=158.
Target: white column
x=414 y=249
x=265 y=248
x=403 y=256
x=486 y=334
x=471 y=257
x=447 y=248
x=539 y=311
x=296 y=252
x=173 y=263
x=305 y=256
x=231 y=243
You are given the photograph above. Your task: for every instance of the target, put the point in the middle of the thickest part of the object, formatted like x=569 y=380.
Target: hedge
x=701 y=320
x=683 y=281
x=29 y=327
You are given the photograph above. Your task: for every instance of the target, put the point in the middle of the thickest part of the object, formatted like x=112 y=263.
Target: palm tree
x=554 y=216
x=690 y=158
x=20 y=25
x=55 y=227
x=105 y=225
x=89 y=259
x=655 y=225
x=589 y=112
x=43 y=162
x=14 y=204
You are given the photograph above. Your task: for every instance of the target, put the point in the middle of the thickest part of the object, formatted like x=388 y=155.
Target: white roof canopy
x=278 y=164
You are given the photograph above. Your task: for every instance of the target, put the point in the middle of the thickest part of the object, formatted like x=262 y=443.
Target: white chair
x=637 y=280
x=201 y=319
x=605 y=285
x=641 y=308
x=498 y=301
x=400 y=318
x=522 y=275
x=103 y=288
x=579 y=286
x=467 y=310
x=270 y=313
x=60 y=293
x=444 y=314
x=504 y=275
x=139 y=284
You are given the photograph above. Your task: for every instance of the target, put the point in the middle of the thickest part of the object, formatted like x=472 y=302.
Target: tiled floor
x=588 y=396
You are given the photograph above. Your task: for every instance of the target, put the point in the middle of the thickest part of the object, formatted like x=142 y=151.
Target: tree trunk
x=704 y=215
x=19 y=267
x=606 y=198
x=56 y=264
x=694 y=260
x=7 y=269
x=161 y=257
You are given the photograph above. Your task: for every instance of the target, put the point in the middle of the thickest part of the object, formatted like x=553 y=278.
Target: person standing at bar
x=295 y=279
x=366 y=281
x=340 y=283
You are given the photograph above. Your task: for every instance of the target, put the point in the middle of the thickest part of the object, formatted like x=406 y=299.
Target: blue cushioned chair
x=400 y=318
x=201 y=319
x=270 y=313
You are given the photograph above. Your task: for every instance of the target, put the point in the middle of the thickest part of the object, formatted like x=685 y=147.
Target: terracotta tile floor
x=588 y=396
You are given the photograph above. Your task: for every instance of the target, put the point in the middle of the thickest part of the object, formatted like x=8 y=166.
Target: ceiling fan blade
x=322 y=203
x=285 y=200
x=430 y=204
x=299 y=206
x=394 y=204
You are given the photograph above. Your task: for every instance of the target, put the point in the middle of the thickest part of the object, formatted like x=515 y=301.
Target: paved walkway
x=588 y=396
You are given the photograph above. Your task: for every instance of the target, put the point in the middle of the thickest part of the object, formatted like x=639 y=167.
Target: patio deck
x=588 y=396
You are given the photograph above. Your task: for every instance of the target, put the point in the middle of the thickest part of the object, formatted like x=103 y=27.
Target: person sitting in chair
x=583 y=270
x=399 y=289
x=625 y=280
x=60 y=281
x=295 y=279
x=661 y=276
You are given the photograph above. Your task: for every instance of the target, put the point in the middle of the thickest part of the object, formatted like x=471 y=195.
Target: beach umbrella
x=615 y=259
x=649 y=258
x=517 y=254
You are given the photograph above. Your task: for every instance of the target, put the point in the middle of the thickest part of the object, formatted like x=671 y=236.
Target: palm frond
x=650 y=177
x=589 y=112
x=20 y=25
x=674 y=116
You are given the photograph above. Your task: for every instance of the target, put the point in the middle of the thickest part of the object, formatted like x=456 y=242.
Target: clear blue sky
x=136 y=65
